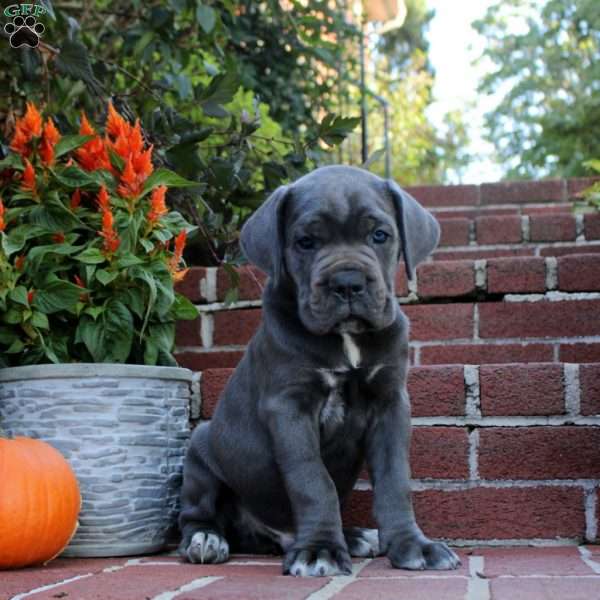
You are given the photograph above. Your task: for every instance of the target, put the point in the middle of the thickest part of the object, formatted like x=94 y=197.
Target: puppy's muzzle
x=347 y=285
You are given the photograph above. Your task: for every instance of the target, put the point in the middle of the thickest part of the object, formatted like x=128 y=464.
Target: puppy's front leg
x=388 y=445
x=319 y=547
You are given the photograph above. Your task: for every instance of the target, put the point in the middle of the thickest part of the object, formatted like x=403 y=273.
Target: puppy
x=321 y=388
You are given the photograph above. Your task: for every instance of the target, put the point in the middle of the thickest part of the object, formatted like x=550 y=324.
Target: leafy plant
x=591 y=195
x=89 y=252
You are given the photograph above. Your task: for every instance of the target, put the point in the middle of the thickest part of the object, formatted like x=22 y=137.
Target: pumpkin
x=39 y=502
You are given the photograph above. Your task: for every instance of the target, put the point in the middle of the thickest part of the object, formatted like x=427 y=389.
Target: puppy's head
x=338 y=234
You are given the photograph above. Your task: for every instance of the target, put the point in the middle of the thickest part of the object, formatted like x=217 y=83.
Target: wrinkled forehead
x=337 y=201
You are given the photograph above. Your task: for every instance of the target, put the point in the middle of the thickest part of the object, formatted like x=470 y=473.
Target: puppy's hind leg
x=201 y=522
x=362 y=542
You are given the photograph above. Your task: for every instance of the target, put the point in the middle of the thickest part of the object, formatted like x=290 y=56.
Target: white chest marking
x=351 y=350
x=333 y=410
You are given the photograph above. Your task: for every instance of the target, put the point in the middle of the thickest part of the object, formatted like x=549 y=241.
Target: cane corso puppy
x=321 y=388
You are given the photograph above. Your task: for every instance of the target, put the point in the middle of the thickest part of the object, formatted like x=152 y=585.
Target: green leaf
x=73 y=60
x=166 y=177
x=134 y=299
x=91 y=256
x=333 y=130
x=70 y=142
x=206 y=16
x=183 y=309
x=57 y=295
x=19 y=295
x=74 y=177
x=16 y=347
x=375 y=157
x=13 y=242
x=128 y=260
x=40 y=320
x=94 y=311
x=105 y=277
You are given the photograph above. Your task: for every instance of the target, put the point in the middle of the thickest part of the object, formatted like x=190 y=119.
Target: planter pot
x=124 y=429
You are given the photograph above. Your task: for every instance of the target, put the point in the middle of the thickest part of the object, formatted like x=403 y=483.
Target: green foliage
x=232 y=96
x=545 y=56
x=86 y=277
x=591 y=195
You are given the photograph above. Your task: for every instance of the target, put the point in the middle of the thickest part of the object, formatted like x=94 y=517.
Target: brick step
x=514 y=195
x=498 y=451
x=551 y=327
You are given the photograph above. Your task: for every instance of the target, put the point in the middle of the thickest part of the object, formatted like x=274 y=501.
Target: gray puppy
x=320 y=389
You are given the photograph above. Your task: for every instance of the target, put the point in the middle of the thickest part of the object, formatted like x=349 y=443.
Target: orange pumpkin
x=39 y=502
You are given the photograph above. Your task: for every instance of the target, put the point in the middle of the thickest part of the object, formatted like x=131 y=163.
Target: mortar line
x=338 y=583
x=188 y=587
x=478 y=588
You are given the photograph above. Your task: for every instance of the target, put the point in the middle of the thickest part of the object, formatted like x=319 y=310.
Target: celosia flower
x=92 y=155
x=2 y=222
x=28 y=180
x=115 y=124
x=176 y=273
x=50 y=138
x=58 y=238
x=20 y=262
x=78 y=281
x=103 y=199
x=158 y=208
x=75 y=199
x=26 y=128
x=111 y=239
x=30 y=295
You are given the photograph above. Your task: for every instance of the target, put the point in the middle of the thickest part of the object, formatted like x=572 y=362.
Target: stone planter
x=124 y=429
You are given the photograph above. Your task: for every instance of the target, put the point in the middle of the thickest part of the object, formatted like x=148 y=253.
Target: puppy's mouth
x=352 y=325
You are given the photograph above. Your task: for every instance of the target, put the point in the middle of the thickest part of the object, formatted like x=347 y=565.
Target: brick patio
x=491 y=573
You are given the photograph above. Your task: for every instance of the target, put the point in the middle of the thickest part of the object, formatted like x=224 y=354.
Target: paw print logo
x=24 y=31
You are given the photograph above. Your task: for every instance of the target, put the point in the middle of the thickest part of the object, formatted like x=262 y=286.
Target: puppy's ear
x=419 y=230
x=262 y=237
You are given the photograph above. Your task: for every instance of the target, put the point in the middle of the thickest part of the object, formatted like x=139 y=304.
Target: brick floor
x=519 y=573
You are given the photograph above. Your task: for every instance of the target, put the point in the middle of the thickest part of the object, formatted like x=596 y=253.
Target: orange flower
x=103 y=199
x=176 y=273
x=78 y=281
x=58 y=238
x=158 y=208
x=26 y=128
x=137 y=168
x=75 y=199
x=50 y=138
x=2 y=222
x=115 y=123
x=28 y=180
x=93 y=155
x=20 y=262
x=111 y=239
x=30 y=295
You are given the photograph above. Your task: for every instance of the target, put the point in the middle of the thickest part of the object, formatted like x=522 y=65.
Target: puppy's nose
x=347 y=285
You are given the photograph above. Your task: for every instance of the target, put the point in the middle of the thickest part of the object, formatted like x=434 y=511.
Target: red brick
x=516 y=275
x=440 y=321
x=498 y=230
x=199 y=361
x=190 y=286
x=449 y=195
x=521 y=561
x=401 y=283
x=579 y=353
x=568 y=318
x=437 y=391
x=521 y=192
x=523 y=389
x=552 y=228
x=20 y=581
x=591 y=223
x=416 y=589
x=258 y=588
x=446 y=279
x=235 y=327
x=487 y=513
x=439 y=453
x=564 y=250
x=187 y=333
x=479 y=354
x=576 y=185
x=549 y=209
x=481 y=253
x=455 y=232
x=589 y=381
x=579 y=273
x=250 y=286
x=473 y=213
x=561 y=452
x=211 y=385
x=548 y=588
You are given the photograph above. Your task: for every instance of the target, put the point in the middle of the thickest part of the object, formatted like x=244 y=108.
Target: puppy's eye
x=380 y=236
x=306 y=243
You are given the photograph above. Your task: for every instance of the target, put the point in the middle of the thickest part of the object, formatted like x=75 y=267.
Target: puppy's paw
x=419 y=552
x=363 y=543
x=317 y=562
x=207 y=547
